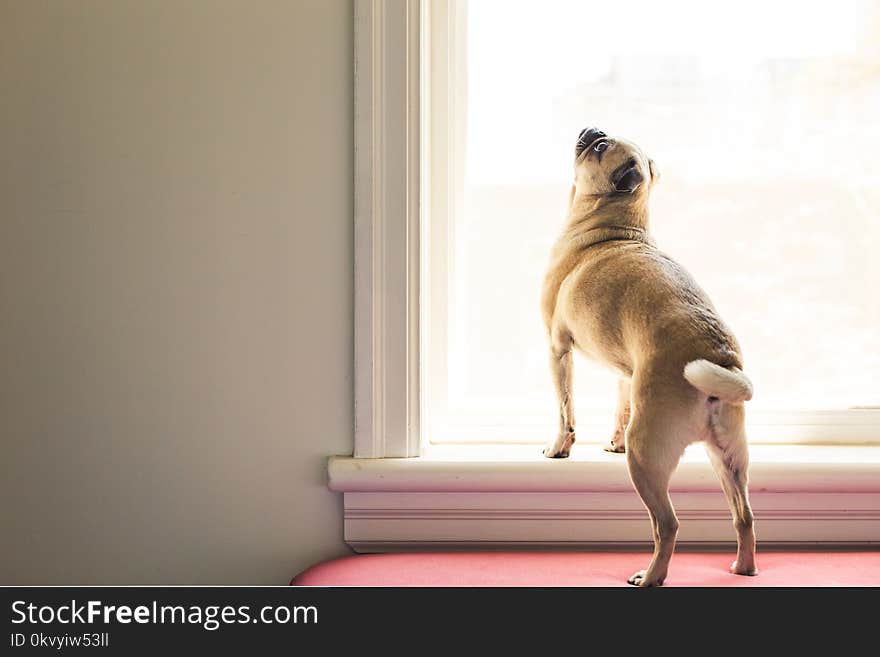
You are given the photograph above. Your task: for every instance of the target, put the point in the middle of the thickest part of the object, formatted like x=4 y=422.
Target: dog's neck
x=596 y=219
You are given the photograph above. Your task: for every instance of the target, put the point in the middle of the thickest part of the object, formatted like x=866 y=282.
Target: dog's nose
x=587 y=137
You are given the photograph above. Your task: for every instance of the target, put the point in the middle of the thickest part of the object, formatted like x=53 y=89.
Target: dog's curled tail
x=727 y=385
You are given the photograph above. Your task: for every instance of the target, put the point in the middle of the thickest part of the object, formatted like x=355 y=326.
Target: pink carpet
x=589 y=569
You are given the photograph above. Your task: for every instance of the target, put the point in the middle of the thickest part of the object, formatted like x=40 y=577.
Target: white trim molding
x=388 y=522
x=802 y=495
x=387 y=110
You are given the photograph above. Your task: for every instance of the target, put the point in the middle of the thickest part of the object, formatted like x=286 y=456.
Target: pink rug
x=589 y=569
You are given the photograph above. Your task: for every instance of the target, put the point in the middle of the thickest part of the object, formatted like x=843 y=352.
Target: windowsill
x=521 y=468
x=509 y=496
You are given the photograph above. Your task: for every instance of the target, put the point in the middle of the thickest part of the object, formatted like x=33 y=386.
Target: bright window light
x=764 y=121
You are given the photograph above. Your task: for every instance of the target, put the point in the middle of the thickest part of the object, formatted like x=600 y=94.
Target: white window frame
x=386 y=234
x=398 y=496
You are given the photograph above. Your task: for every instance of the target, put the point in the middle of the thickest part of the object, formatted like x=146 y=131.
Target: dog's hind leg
x=651 y=460
x=728 y=451
x=561 y=369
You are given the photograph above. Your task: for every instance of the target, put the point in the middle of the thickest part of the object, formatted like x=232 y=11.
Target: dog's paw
x=736 y=569
x=641 y=579
x=560 y=447
x=617 y=444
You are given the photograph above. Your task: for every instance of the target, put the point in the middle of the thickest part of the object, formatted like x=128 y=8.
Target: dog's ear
x=655 y=172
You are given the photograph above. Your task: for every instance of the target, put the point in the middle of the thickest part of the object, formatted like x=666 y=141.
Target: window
x=465 y=116
x=767 y=140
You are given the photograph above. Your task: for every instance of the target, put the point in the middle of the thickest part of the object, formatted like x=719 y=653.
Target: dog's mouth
x=586 y=139
x=626 y=178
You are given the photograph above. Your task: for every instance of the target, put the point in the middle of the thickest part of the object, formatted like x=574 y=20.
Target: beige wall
x=175 y=288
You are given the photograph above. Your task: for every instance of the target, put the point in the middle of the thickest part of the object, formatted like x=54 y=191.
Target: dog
x=616 y=298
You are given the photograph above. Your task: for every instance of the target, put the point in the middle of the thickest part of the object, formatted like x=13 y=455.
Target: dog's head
x=606 y=165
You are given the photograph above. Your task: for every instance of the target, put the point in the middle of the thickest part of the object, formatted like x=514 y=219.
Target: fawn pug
x=611 y=294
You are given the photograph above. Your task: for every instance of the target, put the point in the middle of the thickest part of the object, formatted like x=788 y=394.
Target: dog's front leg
x=560 y=368
x=622 y=415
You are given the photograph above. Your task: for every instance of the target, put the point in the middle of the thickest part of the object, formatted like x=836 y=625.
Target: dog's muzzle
x=627 y=177
x=587 y=137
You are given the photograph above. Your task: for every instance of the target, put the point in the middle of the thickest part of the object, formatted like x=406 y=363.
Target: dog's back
x=626 y=303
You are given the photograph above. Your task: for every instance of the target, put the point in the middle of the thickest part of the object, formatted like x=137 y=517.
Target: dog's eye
x=601 y=146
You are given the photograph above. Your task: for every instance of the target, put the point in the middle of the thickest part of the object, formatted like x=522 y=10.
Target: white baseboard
x=379 y=522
